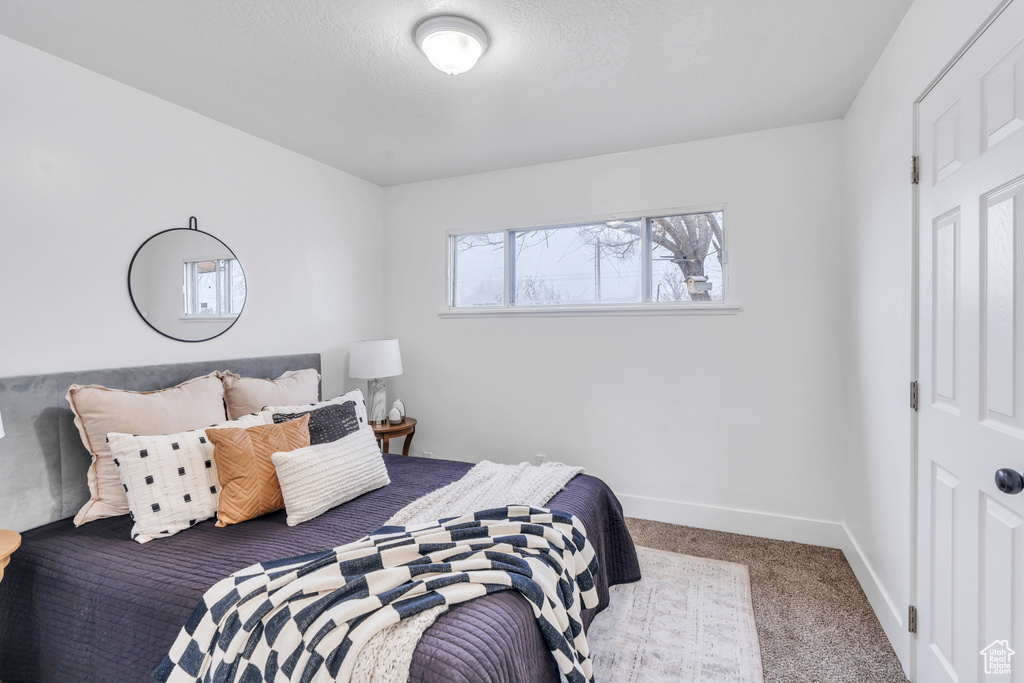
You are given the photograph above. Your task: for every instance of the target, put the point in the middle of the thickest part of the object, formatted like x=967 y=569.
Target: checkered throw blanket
x=305 y=618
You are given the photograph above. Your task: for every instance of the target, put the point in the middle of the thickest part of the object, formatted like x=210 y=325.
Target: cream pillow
x=99 y=411
x=170 y=481
x=317 y=478
x=245 y=395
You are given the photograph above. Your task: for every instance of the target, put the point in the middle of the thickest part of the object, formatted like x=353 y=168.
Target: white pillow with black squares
x=171 y=480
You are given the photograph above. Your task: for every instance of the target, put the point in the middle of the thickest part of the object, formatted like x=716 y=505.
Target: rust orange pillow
x=248 y=481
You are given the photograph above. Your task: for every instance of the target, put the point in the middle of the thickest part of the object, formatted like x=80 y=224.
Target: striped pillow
x=315 y=479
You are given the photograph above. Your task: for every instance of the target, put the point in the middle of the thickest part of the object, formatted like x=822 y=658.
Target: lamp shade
x=374 y=358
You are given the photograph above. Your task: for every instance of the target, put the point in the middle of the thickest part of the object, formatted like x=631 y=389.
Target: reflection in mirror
x=214 y=287
x=187 y=284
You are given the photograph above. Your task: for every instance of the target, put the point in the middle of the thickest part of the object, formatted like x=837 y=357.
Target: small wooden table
x=385 y=432
x=9 y=542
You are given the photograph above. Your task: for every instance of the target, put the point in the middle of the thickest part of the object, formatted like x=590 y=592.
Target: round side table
x=385 y=432
x=9 y=542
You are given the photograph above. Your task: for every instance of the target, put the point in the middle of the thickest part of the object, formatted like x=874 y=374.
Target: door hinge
x=912 y=619
x=915 y=170
x=915 y=395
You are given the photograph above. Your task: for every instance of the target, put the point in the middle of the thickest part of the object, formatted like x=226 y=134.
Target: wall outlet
x=427 y=454
x=539 y=459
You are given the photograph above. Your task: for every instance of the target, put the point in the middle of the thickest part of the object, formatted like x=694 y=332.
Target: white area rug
x=688 y=619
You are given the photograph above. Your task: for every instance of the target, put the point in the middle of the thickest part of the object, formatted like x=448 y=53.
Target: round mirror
x=187 y=284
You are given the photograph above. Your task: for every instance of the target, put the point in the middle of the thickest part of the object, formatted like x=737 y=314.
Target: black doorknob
x=1009 y=481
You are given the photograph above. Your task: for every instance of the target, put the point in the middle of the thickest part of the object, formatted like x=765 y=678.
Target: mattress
x=90 y=604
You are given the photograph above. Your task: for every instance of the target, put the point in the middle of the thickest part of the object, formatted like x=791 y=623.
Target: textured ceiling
x=343 y=82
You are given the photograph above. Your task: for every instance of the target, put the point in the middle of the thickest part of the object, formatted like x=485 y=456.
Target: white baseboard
x=784 y=528
x=762 y=524
x=891 y=615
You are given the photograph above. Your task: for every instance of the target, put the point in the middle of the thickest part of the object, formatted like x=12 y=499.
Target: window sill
x=208 y=318
x=591 y=311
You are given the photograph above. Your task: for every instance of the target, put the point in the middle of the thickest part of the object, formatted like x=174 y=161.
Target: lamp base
x=376 y=401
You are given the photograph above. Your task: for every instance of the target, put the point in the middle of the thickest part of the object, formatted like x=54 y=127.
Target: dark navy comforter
x=90 y=604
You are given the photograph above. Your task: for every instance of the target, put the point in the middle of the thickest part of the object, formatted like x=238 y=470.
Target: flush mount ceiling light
x=452 y=44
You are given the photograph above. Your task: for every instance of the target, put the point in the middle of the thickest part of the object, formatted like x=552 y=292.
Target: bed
x=89 y=604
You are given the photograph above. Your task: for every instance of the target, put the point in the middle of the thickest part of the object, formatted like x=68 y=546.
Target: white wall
x=90 y=168
x=877 y=141
x=738 y=411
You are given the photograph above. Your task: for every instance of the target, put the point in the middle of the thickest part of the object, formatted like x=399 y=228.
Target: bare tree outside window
x=687 y=257
x=575 y=265
x=646 y=260
x=478 y=270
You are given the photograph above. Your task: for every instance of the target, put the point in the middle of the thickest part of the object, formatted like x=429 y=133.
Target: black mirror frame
x=191 y=221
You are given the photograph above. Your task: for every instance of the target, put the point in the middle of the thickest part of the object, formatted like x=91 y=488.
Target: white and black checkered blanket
x=305 y=618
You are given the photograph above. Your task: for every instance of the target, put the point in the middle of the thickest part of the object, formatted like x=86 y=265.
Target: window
x=215 y=287
x=687 y=256
x=478 y=270
x=578 y=265
x=653 y=260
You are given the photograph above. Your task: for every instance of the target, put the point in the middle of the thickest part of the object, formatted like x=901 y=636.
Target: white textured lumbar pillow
x=316 y=478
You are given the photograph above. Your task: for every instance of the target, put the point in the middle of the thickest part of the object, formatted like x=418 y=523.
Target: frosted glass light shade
x=452 y=44
x=374 y=358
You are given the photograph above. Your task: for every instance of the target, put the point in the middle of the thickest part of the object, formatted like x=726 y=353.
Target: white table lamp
x=373 y=360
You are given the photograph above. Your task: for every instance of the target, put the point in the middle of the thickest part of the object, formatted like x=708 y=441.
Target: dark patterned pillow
x=330 y=423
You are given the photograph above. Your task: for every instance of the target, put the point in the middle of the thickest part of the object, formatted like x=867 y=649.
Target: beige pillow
x=246 y=395
x=100 y=411
x=248 y=482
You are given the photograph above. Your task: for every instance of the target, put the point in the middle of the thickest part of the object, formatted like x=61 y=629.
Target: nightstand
x=385 y=432
x=9 y=542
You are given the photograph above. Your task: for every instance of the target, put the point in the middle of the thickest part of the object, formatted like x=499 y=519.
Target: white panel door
x=971 y=372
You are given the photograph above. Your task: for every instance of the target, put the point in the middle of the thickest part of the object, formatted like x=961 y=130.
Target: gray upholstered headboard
x=42 y=459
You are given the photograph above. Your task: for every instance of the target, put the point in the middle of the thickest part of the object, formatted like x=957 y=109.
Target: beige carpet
x=689 y=620
x=814 y=623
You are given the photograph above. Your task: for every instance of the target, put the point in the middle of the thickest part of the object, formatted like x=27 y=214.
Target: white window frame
x=188 y=290
x=727 y=306
x=450 y=271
